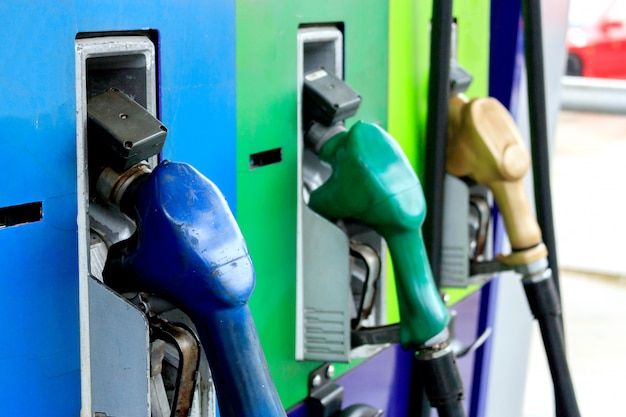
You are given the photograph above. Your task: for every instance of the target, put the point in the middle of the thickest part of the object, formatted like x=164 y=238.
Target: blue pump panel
x=39 y=353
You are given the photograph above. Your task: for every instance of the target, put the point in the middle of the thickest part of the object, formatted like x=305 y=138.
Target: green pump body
x=373 y=182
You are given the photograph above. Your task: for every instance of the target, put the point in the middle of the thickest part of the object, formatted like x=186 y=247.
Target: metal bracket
x=377 y=335
x=325 y=397
x=460 y=349
x=479 y=218
x=187 y=362
x=365 y=268
x=489 y=268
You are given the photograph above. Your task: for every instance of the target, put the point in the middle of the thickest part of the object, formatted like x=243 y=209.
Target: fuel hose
x=436 y=128
x=544 y=304
x=551 y=324
x=446 y=397
x=533 y=49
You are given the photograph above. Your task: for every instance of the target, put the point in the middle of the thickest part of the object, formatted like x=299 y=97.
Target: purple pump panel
x=506 y=62
x=384 y=381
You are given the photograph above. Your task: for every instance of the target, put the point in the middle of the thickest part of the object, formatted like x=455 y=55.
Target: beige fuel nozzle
x=485 y=144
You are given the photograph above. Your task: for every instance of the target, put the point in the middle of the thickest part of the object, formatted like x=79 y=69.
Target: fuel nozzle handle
x=486 y=145
x=188 y=249
x=373 y=182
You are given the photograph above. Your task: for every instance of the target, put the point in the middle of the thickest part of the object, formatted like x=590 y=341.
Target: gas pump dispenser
x=372 y=182
x=76 y=347
x=186 y=249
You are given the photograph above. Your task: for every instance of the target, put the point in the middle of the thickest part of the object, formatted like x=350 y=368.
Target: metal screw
x=330 y=372
x=445 y=297
x=317 y=381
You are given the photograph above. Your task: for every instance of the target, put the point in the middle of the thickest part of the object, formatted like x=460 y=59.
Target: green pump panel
x=381 y=49
x=290 y=245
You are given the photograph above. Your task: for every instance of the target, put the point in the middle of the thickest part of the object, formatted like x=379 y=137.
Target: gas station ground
x=589 y=203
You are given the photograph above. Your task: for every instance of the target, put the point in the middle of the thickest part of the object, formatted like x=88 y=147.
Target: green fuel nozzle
x=372 y=182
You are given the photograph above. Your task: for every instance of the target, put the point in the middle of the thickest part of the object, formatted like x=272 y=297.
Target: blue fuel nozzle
x=189 y=250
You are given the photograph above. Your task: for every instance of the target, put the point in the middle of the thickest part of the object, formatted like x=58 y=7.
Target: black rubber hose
x=436 y=128
x=545 y=306
x=435 y=165
x=442 y=382
x=418 y=404
x=533 y=48
x=554 y=342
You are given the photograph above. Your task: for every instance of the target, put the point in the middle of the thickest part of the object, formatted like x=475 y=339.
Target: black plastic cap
x=328 y=99
x=122 y=130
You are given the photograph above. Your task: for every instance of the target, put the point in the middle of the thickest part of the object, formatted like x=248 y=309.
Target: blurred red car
x=596 y=38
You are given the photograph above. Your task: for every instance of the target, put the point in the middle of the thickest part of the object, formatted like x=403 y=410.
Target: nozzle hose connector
x=542 y=297
x=119 y=189
x=442 y=381
x=318 y=134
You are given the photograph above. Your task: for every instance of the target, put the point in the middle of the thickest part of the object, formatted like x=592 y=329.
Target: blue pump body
x=189 y=250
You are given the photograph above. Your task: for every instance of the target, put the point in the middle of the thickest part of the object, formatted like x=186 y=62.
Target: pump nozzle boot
x=373 y=182
x=485 y=145
x=189 y=250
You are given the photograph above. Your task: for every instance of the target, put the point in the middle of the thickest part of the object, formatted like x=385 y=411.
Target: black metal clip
x=326 y=397
x=460 y=349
